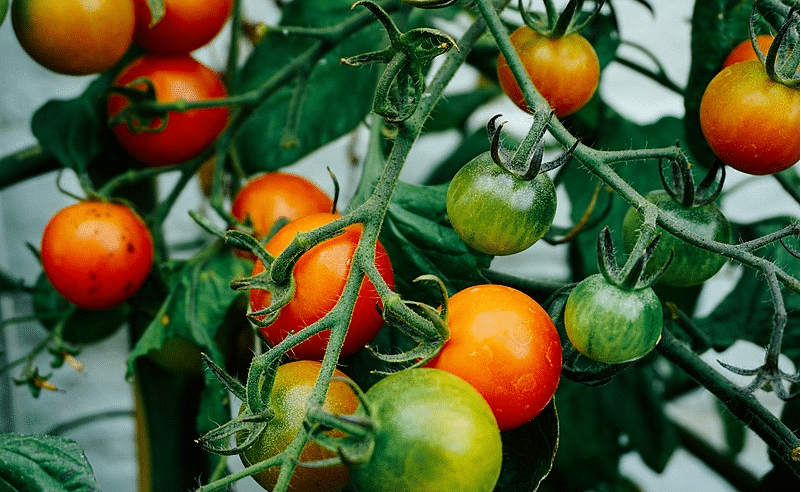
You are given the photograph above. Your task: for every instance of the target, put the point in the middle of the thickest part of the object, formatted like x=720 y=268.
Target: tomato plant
x=564 y=70
x=690 y=265
x=433 y=432
x=610 y=324
x=186 y=25
x=96 y=254
x=74 y=37
x=272 y=196
x=289 y=400
x=745 y=52
x=320 y=276
x=177 y=136
x=750 y=121
x=505 y=345
x=496 y=211
x=3 y=10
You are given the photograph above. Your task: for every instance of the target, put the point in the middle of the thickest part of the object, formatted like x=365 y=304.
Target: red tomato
x=320 y=276
x=750 y=121
x=186 y=26
x=96 y=254
x=745 y=52
x=267 y=198
x=504 y=344
x=564 y=70
x=188 y=133
x=74 y=37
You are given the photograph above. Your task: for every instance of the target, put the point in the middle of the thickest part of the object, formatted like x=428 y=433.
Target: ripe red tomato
x=268 y=197
x=188 y=133
x=745 y=52
x=750 y=121
x=186 y=26
x=96 y=254
x=74 y=37
x=504 y=344
x=320 y=276
x=293 y=386
x=564 y=70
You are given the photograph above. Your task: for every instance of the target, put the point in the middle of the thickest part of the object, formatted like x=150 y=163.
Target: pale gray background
x=25 y=209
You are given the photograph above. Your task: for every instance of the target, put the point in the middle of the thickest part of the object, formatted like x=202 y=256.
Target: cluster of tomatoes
x=495 y=327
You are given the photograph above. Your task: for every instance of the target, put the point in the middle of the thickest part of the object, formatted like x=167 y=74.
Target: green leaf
x=196 y=306
x=327 y=111
x=43 y=464
x=419 y=241
x=453 y=110
x=528 y=452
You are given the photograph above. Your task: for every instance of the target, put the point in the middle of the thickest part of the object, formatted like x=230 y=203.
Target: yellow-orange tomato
x=186 y=25
x=96 y=254
x=564 y=70
x=745 y=52
x=289 y=399
x=268 y=197
x=74 y=37
x=505 y=345
x=320 y=276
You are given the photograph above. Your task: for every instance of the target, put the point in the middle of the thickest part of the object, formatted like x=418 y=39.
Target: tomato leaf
x=327 y=112
x=419 y=241
x=45 y=464
x=528 y=452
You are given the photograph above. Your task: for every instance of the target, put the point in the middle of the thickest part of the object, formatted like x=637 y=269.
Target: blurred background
x=101 y=389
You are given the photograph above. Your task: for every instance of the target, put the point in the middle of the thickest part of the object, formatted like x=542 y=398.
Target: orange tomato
x=745 y=52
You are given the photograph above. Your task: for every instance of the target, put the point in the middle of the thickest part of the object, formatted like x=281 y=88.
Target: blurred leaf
x=84 y=326
x=733 y=430
x=43 y=464
x=528 y=452
x=453 y=110
x=328 y=111
x=419 y=241
x=746 y=313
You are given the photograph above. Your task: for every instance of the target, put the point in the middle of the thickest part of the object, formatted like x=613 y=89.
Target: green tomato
x=612 y=325
x=434 y=432
x=496 y=212
x=691 y=265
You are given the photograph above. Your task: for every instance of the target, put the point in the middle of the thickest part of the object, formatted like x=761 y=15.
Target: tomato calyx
x=631 y=276
x=554 y=24
x=401 y=85
x=526 y=162
x=417 y=324
x=781 y=61
x=142 y=115
x=681 y=185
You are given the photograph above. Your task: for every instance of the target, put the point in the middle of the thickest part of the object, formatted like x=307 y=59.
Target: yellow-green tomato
x=691 y=265
x=612 y=325
x=497 y=212
x=433 y=433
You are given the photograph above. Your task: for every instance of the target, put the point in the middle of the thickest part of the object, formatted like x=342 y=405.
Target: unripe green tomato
x=497 y=212
x=691 y=265
x=612 y=325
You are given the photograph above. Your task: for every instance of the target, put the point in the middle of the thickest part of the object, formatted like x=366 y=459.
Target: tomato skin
x=293 y=386
x=74 y=37
x=505 y=345
x=496 y=212
x=434 y=432
x=612 y=325
x=268 y=197
x=186 y=26
x=187 y=133
x=96 y=254
x=750 y=121
x=565 y=71
x=690 y=265
x=320 y=276
x=745 y=52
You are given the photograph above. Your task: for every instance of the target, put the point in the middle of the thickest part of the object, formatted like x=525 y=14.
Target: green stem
x=744 y=406
x=26 y=163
